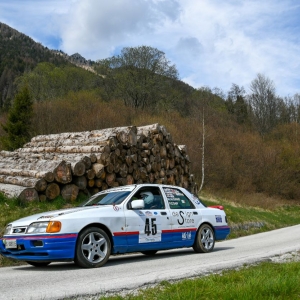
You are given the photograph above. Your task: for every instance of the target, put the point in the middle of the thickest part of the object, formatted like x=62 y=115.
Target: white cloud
x=98 y=27
x=239 y=40
x=212 y=42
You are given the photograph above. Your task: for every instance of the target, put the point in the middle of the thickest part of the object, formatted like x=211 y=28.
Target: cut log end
x=29 y=195
x=63 y=173
x=70 y=192
x=52 y=191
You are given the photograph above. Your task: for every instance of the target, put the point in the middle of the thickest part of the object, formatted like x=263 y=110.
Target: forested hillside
x=250 y=140
x=19 y=54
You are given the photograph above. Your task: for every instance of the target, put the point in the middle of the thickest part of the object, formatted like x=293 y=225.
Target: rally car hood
x=46 y=216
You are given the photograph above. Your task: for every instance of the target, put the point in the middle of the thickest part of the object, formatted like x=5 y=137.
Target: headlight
x=44 y=227
x=7 y=230
x=37 y=227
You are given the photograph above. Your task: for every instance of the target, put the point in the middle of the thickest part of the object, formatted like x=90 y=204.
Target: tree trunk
x=81 y=182
x=129 y=179
x=98 y=183
x=63 y=173
x=48 y=176
x=25 y=194
x=38 y=184
x=91 y=183
x=98 y=169
x=90 y=174
x=78 y=168
x=110 y=179
x=52 y=191
x=70 y=192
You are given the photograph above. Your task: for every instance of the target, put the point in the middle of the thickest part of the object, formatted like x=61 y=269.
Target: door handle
x=195 y=213
x=163 y=213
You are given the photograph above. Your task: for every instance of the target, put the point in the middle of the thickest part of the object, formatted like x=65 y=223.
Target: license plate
x=11 y=244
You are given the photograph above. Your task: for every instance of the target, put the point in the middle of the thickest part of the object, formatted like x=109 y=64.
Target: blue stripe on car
x=54 y=247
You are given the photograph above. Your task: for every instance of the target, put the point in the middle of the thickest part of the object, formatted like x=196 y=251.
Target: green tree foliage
x=19 y=54
x=139 y=75
x=236 y=104
x=18 y=126
x=48 y=81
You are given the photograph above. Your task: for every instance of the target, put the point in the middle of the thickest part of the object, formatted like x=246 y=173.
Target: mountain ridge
x=19 y=53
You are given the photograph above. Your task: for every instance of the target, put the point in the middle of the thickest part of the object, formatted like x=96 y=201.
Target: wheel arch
x=101 y=226
x=208 y=223
x=206 y=244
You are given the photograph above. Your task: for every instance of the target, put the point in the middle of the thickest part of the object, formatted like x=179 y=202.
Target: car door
x=148 y=228
x=185 y=217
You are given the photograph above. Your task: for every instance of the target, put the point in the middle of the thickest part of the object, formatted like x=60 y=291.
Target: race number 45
x=150 y=226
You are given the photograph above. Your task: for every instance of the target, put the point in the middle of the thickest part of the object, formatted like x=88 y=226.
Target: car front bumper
x=54 y=247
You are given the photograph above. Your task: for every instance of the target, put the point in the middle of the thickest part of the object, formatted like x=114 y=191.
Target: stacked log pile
x=91 y=161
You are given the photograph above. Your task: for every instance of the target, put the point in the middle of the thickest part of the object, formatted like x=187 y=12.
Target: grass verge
x=263 y=281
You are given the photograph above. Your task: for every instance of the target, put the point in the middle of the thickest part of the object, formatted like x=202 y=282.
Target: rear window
x=177 y=199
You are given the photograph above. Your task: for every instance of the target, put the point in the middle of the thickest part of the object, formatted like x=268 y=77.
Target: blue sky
x=213 y=43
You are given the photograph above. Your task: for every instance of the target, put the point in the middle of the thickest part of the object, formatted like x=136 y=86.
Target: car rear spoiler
x=217 y=206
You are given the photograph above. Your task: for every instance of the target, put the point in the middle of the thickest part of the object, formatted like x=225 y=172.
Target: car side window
x=151 y=196
x=177 y=199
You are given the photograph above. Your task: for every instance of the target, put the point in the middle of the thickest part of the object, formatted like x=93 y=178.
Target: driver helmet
x=147 y=197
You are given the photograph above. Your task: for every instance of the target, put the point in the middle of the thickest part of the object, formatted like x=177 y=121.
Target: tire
x=205 y=239
x=149 y=252
x=93 y=248
x=38 y=264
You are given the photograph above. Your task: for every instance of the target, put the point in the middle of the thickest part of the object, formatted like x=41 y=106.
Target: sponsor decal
x=45 y=217
x=196 y=200
x=184 y=217
x=218 y=219
x=116 y=208
x=155 y=213
x=186 y=235
x=172 y=192
x=148 y=213
x=141 y=213
x=118 y=189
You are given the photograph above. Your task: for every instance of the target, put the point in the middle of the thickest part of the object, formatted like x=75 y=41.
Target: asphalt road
x=130 y=272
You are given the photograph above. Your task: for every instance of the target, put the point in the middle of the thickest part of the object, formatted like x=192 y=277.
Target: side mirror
x=138 y=204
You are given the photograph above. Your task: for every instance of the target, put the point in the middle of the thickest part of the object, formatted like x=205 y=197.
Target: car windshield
x=107 y=198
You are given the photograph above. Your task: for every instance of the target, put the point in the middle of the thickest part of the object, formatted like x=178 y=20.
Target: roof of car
x=133 y=186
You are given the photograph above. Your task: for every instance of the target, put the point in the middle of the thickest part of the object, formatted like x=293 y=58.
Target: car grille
x=18 y=230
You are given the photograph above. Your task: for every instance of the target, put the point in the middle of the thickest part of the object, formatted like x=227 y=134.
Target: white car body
x=121 y=223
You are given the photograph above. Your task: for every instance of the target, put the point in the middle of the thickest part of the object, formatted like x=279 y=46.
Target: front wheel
x=205 y=239
x=38 y=264
x=93 y=248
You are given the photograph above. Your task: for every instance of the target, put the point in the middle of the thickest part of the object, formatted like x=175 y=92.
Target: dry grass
x=254 y=200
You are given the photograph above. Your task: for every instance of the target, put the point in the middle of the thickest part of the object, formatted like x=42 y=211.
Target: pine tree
x=18 y=126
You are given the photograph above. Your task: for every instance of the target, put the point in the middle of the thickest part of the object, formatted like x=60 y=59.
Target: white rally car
x=143 y=217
